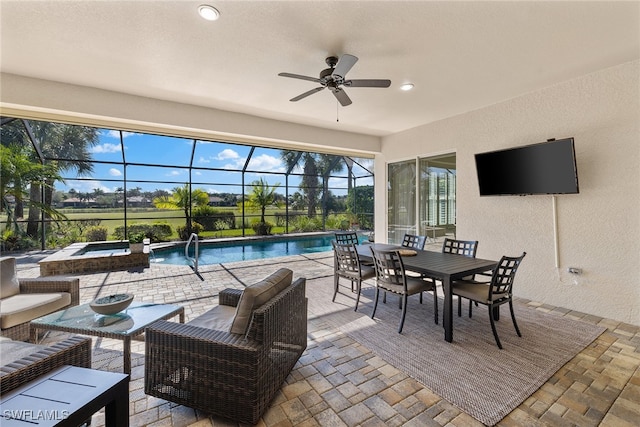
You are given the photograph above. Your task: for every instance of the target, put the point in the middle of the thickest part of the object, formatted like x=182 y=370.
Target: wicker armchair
x=228 y=374
x=23 y=300
x=35 y=360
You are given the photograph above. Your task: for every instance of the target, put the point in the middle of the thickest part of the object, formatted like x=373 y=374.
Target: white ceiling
x=461 y=56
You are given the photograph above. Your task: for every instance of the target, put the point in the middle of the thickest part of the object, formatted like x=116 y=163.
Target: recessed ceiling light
x=406 y=86
x=209 y=13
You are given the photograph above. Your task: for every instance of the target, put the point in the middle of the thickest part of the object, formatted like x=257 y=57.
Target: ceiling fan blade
x=298 y=76
x=344 y=64
x=367 y=83
x=342 y=97
x=307 y=93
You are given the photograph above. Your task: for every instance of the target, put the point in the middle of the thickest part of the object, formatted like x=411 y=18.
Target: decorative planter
x=136 y=248
x=111 y=304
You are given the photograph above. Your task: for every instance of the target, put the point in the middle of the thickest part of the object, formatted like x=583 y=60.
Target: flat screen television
x=544 y=168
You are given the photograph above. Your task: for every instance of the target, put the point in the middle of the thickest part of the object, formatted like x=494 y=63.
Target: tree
x=297 y=201
x=65 y=148
x=159 y=193
x=182 y=198
x=327 y=164
x=309 y=184
x=16 y=171
x=119 y=196
x=360 y=204
x=262 y=196
x=134 y=192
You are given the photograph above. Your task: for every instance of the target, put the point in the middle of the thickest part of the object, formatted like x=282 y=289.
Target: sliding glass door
x=437 y=196
x=422 y=198
x=401 y=193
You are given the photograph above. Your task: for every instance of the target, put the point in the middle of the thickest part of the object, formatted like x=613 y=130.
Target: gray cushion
x=256 y=295
x=9 y=285
x=219 y=318
x=23 y=308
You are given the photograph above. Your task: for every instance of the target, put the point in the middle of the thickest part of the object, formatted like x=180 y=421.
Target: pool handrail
x=194 y=260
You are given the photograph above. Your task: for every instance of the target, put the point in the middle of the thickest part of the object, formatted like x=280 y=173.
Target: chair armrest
x=229 y=297
x=74 y=351
x=41 y=285
x=182 y=335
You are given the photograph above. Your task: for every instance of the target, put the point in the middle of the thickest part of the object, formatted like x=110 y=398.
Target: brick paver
x=338 y=382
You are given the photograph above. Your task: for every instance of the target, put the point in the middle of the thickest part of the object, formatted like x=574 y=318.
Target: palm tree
x=262 y=195
x=309 y=183
x=182 y=198
x=16 y=171
x=64 y=147
x=327 y=164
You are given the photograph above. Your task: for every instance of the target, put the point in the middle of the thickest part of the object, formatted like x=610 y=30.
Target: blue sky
x=166 y=151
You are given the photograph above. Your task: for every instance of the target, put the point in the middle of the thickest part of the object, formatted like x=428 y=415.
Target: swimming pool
x=247 y=250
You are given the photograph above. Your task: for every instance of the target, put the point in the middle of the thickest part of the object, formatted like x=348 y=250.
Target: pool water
x=218 y=253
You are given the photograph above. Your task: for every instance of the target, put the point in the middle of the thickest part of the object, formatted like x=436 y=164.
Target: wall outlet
x=574 y=270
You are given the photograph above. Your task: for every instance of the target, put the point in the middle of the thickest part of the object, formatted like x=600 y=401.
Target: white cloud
x=237 y=165
x=226 y=154
x=174 y=173
x=266 y=163
x=106 y=148
x=203 y=160
x=114 y=172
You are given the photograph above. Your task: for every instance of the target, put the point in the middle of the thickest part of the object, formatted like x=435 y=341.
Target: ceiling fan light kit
x=334 y=79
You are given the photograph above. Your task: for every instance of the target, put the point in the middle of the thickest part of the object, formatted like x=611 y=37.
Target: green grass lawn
x=113 y=218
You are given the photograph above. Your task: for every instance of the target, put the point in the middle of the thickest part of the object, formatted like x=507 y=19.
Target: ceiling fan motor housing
x=333 y=80
x=327 y=78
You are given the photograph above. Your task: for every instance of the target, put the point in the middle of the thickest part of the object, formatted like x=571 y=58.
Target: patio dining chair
x=460 y=247
x=391 y=277
x=494 y=293
x=347 y=237
x=348 y=266
x=466 y=248
x=413 y=241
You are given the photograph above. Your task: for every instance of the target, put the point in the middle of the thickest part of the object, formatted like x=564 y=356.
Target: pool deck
x=331 y=384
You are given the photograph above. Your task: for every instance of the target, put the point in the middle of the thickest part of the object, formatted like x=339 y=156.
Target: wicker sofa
x=233 y=359
x=22 y=362
x=22 y=300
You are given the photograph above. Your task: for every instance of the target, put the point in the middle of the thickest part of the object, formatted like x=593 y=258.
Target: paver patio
x=338 y=382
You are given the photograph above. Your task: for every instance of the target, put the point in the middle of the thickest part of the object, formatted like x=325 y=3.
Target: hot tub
x=93 y=257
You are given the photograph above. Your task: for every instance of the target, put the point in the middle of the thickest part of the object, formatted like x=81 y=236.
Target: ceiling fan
x=334 y=78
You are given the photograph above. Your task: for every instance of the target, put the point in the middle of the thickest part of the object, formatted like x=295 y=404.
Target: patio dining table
x=440 y=266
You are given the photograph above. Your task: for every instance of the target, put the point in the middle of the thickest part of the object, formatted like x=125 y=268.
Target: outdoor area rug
x=471 y=372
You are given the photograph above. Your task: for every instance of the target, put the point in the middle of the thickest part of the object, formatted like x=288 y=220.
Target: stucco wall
x=598 y=229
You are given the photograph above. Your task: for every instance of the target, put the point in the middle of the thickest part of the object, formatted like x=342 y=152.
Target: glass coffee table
x=129 y=323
